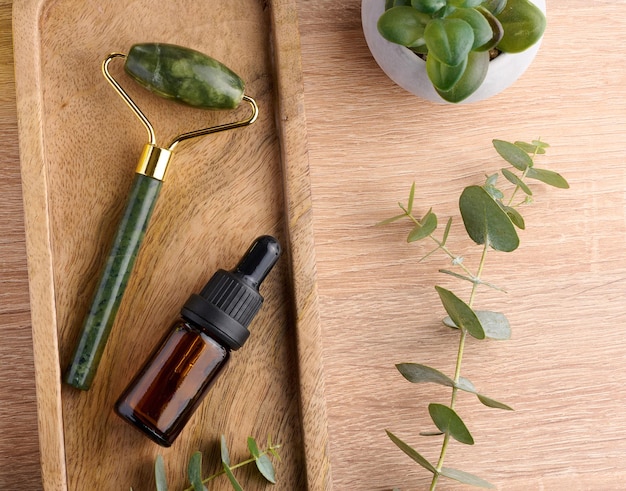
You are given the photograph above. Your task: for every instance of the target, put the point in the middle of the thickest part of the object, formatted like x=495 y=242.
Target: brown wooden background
x=563 y=371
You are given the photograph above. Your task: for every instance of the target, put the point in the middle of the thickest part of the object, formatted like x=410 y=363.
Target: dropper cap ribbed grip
x=230 y=300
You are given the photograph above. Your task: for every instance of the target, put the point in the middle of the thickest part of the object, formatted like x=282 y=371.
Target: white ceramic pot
x=409 y=71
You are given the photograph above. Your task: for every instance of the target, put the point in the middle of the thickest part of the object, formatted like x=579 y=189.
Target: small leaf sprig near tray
x=491 y=220
x=194 y=468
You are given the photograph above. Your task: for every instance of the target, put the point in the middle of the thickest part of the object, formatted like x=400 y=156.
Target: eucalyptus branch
x=491 y=223
x=194 y=468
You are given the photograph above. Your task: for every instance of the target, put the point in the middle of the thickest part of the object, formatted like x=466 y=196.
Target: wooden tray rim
x=291 y=125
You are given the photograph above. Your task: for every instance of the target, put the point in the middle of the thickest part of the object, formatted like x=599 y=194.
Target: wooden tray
x=79 y=145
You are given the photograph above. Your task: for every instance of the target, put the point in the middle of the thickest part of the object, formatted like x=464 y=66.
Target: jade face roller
x=175 y=73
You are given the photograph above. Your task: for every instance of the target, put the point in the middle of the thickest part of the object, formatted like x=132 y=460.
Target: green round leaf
x=402 y=25
x=494 y=324
x=497 y=31
x=448 y=421
x=461 y=314
x=523 y=23
x=427 y=226
x=428 y=6
x=449 y=40
x=483 y=32
x=472 y=78
x=485 y=221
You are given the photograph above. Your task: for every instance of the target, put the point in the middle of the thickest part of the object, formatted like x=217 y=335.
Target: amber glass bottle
x=165 y=393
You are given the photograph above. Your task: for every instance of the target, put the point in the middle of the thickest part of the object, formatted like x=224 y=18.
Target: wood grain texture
x=79 y=145
x=563 y=369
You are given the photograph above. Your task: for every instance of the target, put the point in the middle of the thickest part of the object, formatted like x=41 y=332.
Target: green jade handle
x=113 y=281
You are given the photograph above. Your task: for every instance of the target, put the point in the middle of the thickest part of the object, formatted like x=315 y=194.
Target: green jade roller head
x=182 y=75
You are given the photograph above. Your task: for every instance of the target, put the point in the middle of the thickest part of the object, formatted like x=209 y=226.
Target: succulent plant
x=458 y=38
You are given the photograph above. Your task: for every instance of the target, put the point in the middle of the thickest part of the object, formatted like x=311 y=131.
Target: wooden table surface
x=564 y=369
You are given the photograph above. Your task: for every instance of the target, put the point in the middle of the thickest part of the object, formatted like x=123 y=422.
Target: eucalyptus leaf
x=462 y=314
x=524 y=24
x=495 y=324
x=409 y=205
x=159 y=474
x=224 y=451
x=531 y=148
x=472 y=78
x=401 y=25
x=391 y=220
x=514 y=179
x=253 y=448
x=466 y=385
x=489 y=402
x=194 y=471
x=485 y=221
x=515 y=216
x=426 y=227
x=448 y=421
x=431 y=433
x=465 y=478
x=541 y=144
x=416 y=373
x=513 y=154
x=449 y=40
x=549 y=177
x=446 y=232
x=231 y=477
x=411 y=452
x=266 y=468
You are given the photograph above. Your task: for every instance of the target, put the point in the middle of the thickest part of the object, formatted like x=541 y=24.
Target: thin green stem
x=437 y=241
x=457 y=370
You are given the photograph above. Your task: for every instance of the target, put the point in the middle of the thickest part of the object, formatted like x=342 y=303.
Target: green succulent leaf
x=416 y=373
x=549 y=177
x=495 y=324
x=231 y=477
x=483 y=33
x=426 y=227
x=514 y=179
x=524 y=24
x=472 y=78
x=531 y=148
x=428 y=6
x=411 y=452
x=465 y=478
x=449 y=40
x=402 y=25
x=159 y=474
x=465 y=3
x=494 y=6
x=224 y=451
x=497 y=31
x=194 y=471
x=513 y=154
x=442 y=76
x=485 y=221
x=461 y=314
x=448 y=421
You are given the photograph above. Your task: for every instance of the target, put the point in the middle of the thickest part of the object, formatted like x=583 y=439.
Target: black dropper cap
x=231 y=299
